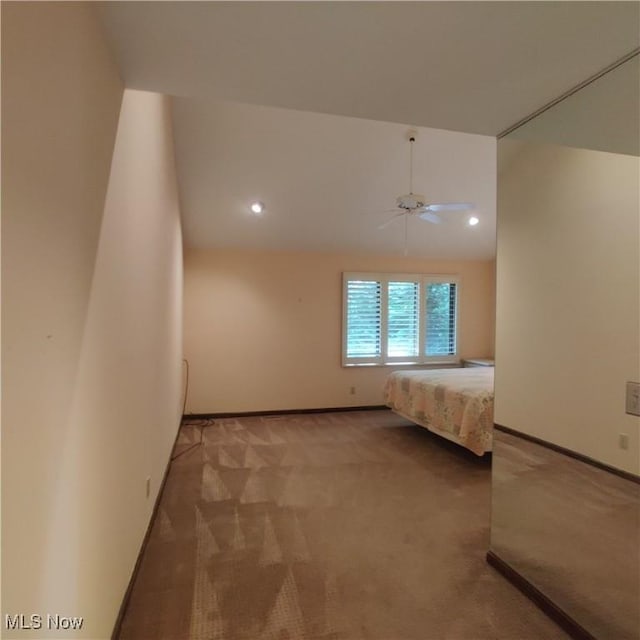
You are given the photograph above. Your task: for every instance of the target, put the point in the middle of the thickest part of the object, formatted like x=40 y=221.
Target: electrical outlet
x=148 y=486
x=633 y=398
x=623 y=441
x=352 y=391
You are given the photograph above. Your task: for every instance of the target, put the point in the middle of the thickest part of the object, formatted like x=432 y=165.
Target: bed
x=454 y=403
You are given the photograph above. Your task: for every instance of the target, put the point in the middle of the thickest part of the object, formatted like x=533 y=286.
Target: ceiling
x=327 y=181
x=305 y=105
x=603 y=116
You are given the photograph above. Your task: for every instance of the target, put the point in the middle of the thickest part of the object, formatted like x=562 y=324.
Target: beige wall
x=263 y=329
x=568 y=284
x=91 y=334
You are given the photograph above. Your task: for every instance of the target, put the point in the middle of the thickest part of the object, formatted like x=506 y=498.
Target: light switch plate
x=633 y=398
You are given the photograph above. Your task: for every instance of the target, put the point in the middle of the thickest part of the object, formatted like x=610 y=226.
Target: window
x=399 y=318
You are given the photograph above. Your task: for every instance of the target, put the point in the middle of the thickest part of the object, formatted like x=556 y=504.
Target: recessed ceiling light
x=257 y=208
x=473 y=221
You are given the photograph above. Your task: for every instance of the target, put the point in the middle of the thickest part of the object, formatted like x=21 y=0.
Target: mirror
x=566 y=459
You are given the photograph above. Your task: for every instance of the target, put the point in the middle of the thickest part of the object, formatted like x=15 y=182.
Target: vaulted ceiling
x=363 y=72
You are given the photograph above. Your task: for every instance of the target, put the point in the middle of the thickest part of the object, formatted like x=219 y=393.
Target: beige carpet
x=571 y=529
x=329 y=526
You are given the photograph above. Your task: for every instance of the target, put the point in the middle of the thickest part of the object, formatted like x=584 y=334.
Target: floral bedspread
x=456 y=403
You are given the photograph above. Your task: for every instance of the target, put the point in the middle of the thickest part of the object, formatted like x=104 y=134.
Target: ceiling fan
x=414 y=204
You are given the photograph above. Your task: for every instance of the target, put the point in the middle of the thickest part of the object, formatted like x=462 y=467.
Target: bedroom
x=263 y=294
x=86 y=293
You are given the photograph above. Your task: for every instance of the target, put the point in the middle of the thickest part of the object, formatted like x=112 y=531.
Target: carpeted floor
x=572 y=530
x=331 y=526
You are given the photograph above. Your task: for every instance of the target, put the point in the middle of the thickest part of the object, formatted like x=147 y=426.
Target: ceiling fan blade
x=388 y=222
x=449 y=206
x=430 y=217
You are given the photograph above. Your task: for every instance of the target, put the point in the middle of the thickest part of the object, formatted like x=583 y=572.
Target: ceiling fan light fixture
x=416 y=205
x=411 y=201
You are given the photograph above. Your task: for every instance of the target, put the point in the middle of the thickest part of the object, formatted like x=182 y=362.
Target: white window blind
x=404 y=319
x=441 y=318
x=364 y=316
x=399 y=318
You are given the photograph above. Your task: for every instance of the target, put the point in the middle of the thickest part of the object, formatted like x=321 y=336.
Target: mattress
x=454 y=403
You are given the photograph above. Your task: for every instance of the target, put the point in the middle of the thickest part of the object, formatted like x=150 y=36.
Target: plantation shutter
x=399 y=318
x=403 y=319
x=364 y=319
x=441 y=300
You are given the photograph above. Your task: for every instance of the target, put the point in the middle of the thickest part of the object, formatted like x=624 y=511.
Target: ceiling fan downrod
x=412 y=139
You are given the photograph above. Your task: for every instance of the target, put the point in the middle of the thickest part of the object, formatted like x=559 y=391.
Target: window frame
x=384 y=279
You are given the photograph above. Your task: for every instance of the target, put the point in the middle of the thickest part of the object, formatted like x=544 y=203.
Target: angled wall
x=91 y=317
